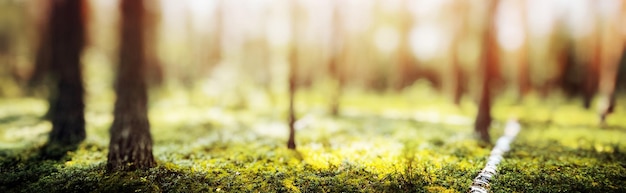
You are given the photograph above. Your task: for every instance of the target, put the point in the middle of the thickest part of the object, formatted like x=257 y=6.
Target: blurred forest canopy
x=219 y=46
x=243 y=54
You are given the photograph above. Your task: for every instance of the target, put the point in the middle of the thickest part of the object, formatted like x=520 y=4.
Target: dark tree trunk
x=131 y=143
x=489 y=73
x=65 y=41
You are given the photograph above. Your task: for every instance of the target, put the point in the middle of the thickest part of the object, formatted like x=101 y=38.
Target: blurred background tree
x=224 y=50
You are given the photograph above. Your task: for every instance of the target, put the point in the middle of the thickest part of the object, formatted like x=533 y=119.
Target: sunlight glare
x=509 y=23
x=386 y=39
x=427 y=41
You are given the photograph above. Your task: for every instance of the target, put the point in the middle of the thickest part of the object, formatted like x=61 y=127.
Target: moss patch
x=413 y=141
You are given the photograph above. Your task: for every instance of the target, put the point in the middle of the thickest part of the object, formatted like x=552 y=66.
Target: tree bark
x=154 y=67
x=131 y=143
x=65 y=41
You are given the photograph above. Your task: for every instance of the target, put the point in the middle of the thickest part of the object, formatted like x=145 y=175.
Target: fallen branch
x=481 y=182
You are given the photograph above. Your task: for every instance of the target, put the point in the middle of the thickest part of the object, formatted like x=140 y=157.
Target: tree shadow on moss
x=26 y=164
x=22 y=167
x=27 y=171
x=529 y=124
x=48 y=150
x=19 y=120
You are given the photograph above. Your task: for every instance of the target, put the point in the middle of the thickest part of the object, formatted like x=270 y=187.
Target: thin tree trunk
x=591 y=79
x=337 y=56
x=291 y=142
x=611 y=48
x=293 y=75
x=131 y=143
x=483 y=118
x=458 y=77
x=406 y=69
x=489 y=70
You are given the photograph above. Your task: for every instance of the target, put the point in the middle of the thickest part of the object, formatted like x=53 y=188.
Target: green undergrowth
x=414 y=141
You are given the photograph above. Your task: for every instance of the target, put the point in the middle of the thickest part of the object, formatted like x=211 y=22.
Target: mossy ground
x=413 y=141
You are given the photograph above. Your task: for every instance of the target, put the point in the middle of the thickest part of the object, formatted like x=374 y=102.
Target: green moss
x=568 y=162
x=387 y=142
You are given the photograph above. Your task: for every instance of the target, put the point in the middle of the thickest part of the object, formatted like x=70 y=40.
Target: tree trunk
x=337 y=56
x=131 y=144
x=489 y=73
x=293 y=75
x=611 y=48
x=65 y=40
x=154 y=67
x=406 y=68
x=291 y=142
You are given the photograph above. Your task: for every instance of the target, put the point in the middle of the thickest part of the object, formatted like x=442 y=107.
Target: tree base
x=131 y=145
x=481 y=127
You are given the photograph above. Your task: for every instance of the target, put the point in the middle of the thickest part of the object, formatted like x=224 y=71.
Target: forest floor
x=412 y=141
